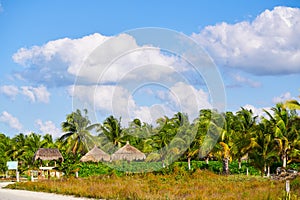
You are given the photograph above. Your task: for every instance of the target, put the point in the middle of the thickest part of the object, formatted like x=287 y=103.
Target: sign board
x=12 y=165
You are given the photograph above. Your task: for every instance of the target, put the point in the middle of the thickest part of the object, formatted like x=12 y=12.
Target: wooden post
x=17 y=176
x=32 y=179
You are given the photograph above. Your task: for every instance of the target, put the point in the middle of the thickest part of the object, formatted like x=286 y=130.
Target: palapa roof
x=47 y=154
x=95 y=155
x=128 y=153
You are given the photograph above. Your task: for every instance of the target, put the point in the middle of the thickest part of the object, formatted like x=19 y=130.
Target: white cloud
x=10 y=120
x=106 y=98
x=9 y=90
x=36 y=94
x=119 y=101
x=268 y=45
x=48 y=127
x=58 y=62
x=188 y=99
x=49 y=64
x=283 y=97
x=245 y=81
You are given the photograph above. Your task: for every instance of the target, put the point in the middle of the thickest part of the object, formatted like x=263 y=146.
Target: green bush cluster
x=122 y=168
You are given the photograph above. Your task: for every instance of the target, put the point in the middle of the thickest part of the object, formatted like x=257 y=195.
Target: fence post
x=18 y=176
x=287 y=189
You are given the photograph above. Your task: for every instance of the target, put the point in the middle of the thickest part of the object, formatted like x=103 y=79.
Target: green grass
x=180 y=184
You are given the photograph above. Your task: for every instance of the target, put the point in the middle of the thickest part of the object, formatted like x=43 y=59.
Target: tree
x=286 y=133
x=113 y=131
x=263 y=151
x=242 y=136
x=292 y=104
x=4 y=147
x=77 y=128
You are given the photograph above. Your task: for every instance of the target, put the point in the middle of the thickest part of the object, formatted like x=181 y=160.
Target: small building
x=48 y=154
x=95 y=155
x=128 y=153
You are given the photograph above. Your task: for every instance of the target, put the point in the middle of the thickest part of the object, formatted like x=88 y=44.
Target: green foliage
x=270 y=142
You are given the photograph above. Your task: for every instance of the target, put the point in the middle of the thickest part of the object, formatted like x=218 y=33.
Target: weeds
x=200 y=184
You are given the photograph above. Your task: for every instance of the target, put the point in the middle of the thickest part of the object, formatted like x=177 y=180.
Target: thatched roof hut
x=95 y=155
x=128 y=153
x=47 y=154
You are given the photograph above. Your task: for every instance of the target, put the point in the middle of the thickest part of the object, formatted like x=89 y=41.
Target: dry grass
x=199 y=185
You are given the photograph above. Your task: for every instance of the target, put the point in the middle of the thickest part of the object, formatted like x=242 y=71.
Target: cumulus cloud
x=119 y=101
x=89 y=59
x=241 y=81
x=48 y=127
x=268 y=45
x=282 y=98
x=187 y=99
x=49 y=64
x=10 y=91
x=10 y=120
x=36 y=94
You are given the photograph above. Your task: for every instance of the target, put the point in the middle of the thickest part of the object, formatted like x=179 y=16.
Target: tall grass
x=200 y=184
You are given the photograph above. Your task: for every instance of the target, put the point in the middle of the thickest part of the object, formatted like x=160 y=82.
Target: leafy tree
x=77 y=128
x=286 y=133
x=112 y=132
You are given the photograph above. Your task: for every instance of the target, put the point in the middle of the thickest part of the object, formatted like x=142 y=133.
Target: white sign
x=12 y=165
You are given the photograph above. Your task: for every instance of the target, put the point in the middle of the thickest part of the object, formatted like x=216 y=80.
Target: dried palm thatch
x=95 y=155
x=47 y=154
x=128 y=153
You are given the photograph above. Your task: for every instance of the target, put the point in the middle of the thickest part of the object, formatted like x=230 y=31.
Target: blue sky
x=254 y=44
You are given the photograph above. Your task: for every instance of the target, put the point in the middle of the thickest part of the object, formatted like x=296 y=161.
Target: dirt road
x=8 y=194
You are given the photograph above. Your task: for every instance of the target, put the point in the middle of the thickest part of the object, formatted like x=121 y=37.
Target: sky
x=57 y=56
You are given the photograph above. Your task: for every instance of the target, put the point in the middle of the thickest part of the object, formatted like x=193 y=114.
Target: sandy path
x=8 y=194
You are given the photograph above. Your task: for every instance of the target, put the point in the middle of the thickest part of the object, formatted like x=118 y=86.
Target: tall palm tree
x=16 y=147
x=286 y=133
x=112 y=131
x=4 y=146
x=77 y=128
x=242 y=137
x=264 y=151
x=292 y=104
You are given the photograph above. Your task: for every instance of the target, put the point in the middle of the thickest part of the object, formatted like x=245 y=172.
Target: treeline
x=211 y=136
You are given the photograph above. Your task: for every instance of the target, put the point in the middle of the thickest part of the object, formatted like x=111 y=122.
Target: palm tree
x=292 y=104
x=242 y=137
x=4 y=146
x=112 y=131
x=263 y=151
x=286 y=133
x=16 y=147
x=77 y=128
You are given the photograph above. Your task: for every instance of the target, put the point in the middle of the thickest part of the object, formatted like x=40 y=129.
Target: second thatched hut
x=47 y=154
x=95 y=155
x=128 y=153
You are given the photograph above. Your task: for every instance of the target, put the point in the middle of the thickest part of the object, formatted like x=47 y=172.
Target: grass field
x=179 y=185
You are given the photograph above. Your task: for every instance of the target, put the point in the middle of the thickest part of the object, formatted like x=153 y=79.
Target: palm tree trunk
x=225 y=166
x=284 y=158
x=206 y=160
x=189 y=163
x=268 y=174
x=240 y=163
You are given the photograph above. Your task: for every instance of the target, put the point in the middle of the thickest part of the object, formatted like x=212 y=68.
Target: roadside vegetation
x=200 y=184
x=190 y=155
